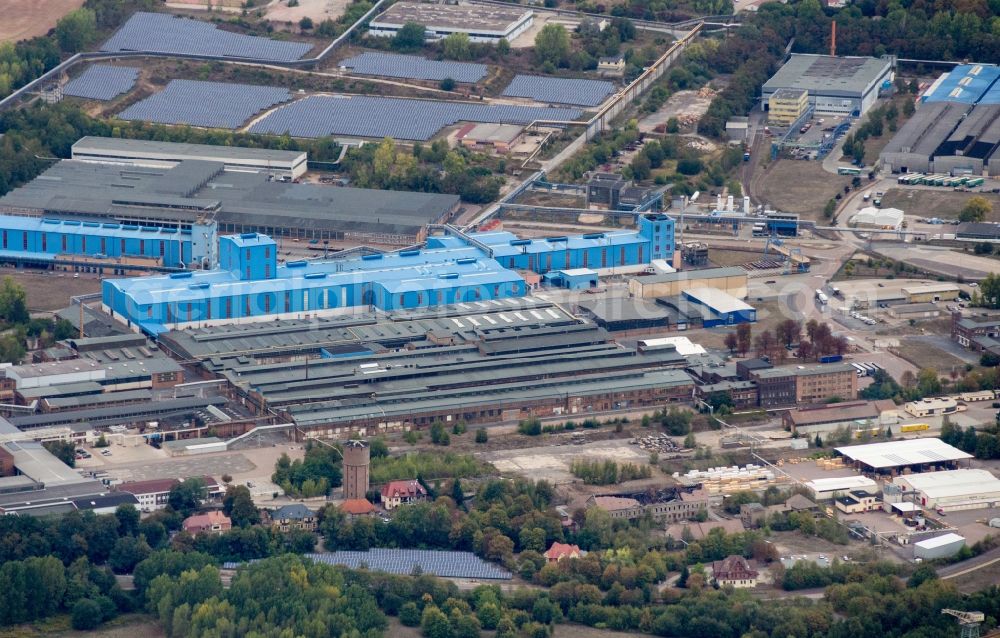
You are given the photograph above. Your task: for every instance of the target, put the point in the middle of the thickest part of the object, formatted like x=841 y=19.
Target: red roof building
x=355 y=507
x=559 y=551
x=214 y=522
x=396 y=493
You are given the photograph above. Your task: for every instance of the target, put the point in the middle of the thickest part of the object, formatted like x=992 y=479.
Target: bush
x=447 y=84
x=482 y=436
x=86 y=615
x=530 y=427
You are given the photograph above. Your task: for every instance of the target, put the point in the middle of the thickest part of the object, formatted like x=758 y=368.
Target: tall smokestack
x=833 y=38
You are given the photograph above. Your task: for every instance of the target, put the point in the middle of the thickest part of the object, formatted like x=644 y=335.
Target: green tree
x=482 y=436
x=238 y=505
x=457 y=46
x=552 y=45
x=76 y=30
x=13 y=302
x=128 y=552
x=62 y=450
x=409 y=614
x=187 y=496
x=975 y=210
x=86 y=615
x=447 y=84
x=434 y=624
x=410 y=37
x=306 y=23
x=676 y=422
x=128 y=519
x=503 y=47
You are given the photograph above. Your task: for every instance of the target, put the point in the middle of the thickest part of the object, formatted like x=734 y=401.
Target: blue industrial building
x=250 y=284
x=967 y=84
x=572 y=278
x=38 y=240
x=653 y=240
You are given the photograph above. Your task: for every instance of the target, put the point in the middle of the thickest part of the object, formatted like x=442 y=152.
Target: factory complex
x=237 y=201
x=833 y=85
x=250 y=285
x=956 y=128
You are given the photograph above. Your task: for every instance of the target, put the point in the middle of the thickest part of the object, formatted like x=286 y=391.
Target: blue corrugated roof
x=42 y=224
x=500 y=242
x=968 y=84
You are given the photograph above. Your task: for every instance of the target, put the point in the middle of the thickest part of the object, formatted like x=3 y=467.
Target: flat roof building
x=828 y=488
x=238 y=201
x=786 y=106
x=732 y=281
x=482 y=23
x=938 y=547
x=168 y=154
x=953 y=490
x=836 y=85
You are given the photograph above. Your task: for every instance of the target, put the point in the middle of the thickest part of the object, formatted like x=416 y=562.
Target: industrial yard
x=444 y=319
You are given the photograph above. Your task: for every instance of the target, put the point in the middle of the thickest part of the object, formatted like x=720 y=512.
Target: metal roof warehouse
x=239 y=201
x=907 y=453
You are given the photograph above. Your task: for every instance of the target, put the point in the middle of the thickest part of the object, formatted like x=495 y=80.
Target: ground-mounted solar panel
x=413 y=67
x=446 y=564
x=560 y=90
x=208 y=104
x=165 y=33
x=399 y=118
x=102 y=82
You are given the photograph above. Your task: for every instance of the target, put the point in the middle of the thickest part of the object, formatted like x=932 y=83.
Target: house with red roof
x=214 y=522
x=357 y=507
x=559 y=551
x=396 y=493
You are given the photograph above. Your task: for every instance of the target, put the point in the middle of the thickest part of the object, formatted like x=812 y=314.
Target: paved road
x=960 y=569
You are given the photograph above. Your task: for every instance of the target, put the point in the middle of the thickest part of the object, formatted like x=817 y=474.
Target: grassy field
x=936 y=203
x=28 y=18
x=48 y=291
x=127 y=626
x=926 y=355
x=799 y=186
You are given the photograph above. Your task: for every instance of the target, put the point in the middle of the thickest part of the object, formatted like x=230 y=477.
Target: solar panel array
x=399 y=118
x=102 y=82
x=208 y=104
x=560 y=91
x=392 y=65
x=403 y=561
x=164 y=33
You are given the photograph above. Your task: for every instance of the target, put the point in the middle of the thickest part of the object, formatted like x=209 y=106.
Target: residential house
x=396 y=493
x=735 y=571
x=214 y=522
x=559 y=551
x=357 y=507
x=294 y=516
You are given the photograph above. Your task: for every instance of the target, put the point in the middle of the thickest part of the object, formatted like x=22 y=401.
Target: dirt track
x=27 y=18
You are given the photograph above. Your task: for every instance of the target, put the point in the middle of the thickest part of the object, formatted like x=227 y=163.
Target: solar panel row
x=399 y=118
x=102 y=82
x=403 y=561
x=208 y=104
x=560 y=90
x=392 y=65
x=164 y=33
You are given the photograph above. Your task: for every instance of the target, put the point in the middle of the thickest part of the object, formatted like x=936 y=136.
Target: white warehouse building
x=112 y=150
x=953 y=490
x=482 y=23
x=824 y=489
